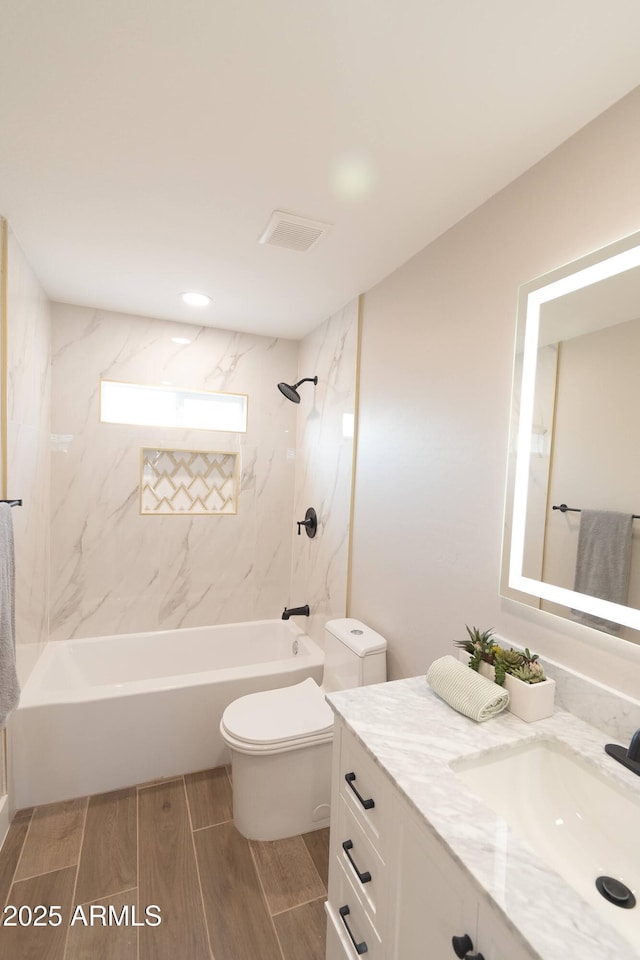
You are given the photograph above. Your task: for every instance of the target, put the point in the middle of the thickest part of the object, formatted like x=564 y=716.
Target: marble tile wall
x=115 y=571
x=324 y=456
x=29 y=412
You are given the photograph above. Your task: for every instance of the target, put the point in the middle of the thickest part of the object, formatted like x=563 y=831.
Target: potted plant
x=531 y=693
x=481 y=649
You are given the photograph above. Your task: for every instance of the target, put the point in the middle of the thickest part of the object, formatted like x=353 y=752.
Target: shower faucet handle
x=310 y=523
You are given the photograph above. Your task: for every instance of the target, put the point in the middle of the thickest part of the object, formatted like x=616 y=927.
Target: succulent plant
x=506 y=661
x=528 y=672
x=510 y=658
x=479 y=646
x=529 y=657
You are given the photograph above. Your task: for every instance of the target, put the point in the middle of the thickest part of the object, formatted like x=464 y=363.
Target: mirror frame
x=607 y=262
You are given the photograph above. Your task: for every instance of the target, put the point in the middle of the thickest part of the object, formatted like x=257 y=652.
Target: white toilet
x=281 y=739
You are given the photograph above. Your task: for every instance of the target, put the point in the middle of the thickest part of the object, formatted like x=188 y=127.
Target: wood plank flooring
x=103 y=861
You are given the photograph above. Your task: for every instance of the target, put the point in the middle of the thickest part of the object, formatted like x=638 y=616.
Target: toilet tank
x=354 y=655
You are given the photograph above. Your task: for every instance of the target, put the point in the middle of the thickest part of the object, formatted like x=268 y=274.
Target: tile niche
x=193 y=482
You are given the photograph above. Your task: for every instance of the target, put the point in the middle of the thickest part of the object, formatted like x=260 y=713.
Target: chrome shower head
x=291 y=392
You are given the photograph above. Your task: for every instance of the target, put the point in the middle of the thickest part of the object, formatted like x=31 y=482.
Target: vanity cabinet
x=394 y=891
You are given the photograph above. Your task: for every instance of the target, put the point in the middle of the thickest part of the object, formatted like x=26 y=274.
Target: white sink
x=581 y=824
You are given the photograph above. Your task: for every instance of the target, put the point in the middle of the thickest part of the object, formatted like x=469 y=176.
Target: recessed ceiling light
x=195 y=299
x=180 y=340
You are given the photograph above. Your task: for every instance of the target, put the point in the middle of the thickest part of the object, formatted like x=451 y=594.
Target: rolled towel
x=465 y=690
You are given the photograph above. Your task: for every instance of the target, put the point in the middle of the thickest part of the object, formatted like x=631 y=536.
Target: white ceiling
x=145 y=143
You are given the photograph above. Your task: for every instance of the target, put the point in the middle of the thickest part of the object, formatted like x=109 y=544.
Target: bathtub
x=103 y=713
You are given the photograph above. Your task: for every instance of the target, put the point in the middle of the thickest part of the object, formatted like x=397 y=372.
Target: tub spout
x=295 y=612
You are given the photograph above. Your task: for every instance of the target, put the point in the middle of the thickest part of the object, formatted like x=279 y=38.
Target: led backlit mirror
x=575 y=431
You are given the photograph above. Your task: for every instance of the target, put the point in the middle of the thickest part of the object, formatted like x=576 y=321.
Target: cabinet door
x=434 y=902
x=496 y=941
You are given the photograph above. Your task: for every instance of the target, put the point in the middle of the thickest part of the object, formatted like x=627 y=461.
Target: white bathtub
x=108 y=712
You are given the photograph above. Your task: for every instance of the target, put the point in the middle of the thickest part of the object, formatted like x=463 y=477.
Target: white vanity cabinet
x=436 y=901
x=394 y=891
x=495 y=941
x=362 y=854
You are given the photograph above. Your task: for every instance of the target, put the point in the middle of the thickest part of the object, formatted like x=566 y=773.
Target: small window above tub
x=167 y=406
x=188 y=482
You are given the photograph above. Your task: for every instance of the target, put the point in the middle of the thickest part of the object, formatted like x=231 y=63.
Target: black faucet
x=295 y=612
x=628 y=757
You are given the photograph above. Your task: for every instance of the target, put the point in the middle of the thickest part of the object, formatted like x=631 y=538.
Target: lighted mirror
x=575 y=444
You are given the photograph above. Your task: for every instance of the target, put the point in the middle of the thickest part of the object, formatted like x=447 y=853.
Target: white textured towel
x=465 y=690
x=9 y=689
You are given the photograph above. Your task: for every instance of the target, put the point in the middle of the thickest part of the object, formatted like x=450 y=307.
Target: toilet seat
x=274 y=721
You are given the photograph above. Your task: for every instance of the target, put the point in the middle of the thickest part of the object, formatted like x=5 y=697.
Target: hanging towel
x=9 y=689
x=603 y=561
x=465 y=690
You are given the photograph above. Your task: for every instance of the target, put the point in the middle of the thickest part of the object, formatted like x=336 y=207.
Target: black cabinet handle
x=367 y=804
x=475 y=956
x=362 y=877
x=358 y=947
x=462 y=945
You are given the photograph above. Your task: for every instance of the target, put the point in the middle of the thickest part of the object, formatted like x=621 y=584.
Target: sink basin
x=577 y=821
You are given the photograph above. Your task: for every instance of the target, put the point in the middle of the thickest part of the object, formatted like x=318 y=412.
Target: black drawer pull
x=367 y=804
x=362 y=877
x=358 y=947
x=462 y=945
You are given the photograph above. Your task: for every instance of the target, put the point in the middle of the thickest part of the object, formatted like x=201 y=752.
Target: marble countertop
x=414 y=737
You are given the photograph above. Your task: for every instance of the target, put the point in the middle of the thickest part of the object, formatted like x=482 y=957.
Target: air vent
x=291 y=232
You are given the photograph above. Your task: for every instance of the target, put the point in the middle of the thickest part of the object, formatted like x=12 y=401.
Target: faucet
x=628 y=757
x=295 y=612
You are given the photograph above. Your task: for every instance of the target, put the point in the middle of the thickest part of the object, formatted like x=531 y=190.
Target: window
x=166 y=406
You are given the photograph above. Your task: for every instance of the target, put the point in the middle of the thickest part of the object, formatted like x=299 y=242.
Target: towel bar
x=563 y=508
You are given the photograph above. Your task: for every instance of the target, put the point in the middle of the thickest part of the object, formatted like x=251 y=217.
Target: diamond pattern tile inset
x=188 y=481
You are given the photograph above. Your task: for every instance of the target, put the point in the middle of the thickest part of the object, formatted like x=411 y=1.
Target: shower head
x=291 y=392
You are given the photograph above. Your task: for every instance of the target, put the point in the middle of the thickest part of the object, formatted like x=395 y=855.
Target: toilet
x=281 y=739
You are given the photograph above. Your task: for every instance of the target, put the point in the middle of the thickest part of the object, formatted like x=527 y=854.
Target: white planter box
x=487 y=670
x=530 y=701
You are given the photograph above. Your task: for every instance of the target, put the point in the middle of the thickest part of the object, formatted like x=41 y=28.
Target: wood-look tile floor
x=90 y=870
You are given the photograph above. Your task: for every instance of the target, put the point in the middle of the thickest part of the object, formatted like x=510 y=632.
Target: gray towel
x=465 y=690
x=9 y=688
x=603 y=562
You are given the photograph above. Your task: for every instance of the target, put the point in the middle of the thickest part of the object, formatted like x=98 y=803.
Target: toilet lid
x=273 y=716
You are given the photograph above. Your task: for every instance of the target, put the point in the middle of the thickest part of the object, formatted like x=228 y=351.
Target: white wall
x=29 y=427
x=436 y=366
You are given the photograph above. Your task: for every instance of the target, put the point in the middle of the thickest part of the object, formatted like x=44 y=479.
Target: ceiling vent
x=291 y=232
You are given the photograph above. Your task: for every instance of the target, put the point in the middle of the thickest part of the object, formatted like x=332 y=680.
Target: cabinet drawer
x=366 y=791
x=336 y=950
x=363 y=865
x=348 y=925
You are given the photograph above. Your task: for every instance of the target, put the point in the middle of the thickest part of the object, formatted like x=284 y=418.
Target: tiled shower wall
x=324 y=467
x=29 y=411
x=114 y=570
